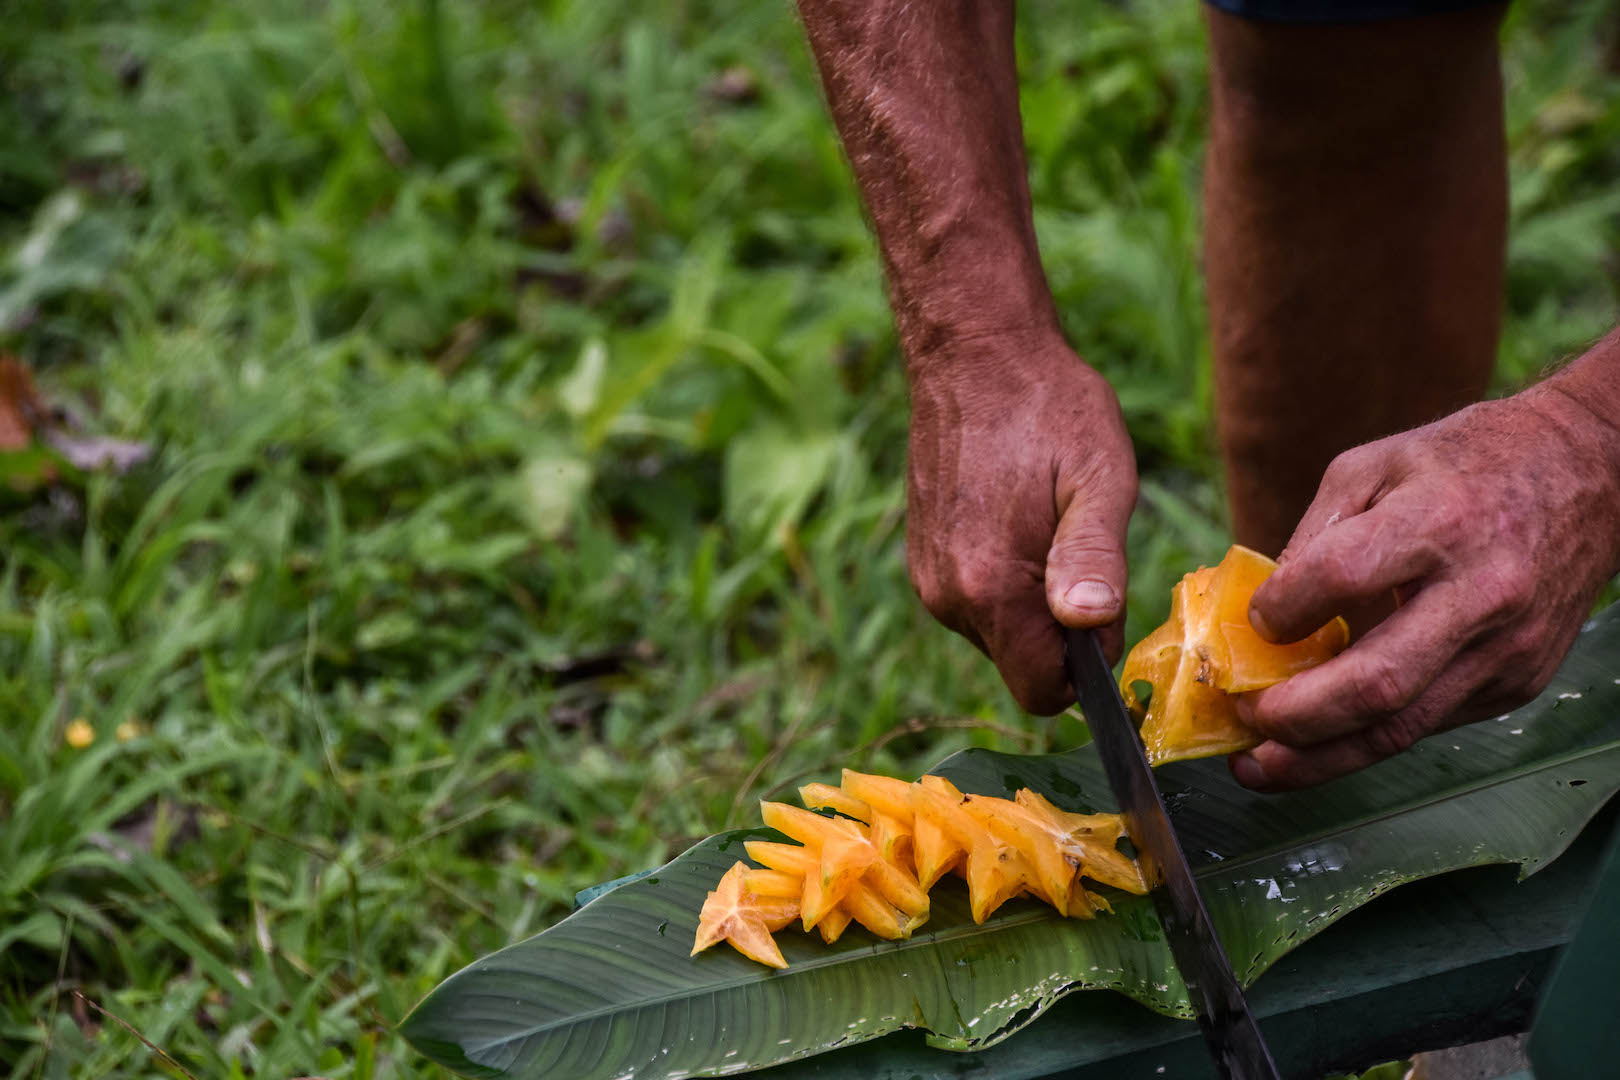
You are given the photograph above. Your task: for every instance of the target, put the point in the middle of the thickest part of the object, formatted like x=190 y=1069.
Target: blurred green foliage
x=526 y=490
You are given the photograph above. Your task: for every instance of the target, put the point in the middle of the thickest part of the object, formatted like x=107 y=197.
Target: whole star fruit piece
x=1206 y=654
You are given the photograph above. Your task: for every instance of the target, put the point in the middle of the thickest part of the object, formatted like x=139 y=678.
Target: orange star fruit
x=1206 y=654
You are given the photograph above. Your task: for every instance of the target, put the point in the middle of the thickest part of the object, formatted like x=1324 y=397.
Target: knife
x=1233 y=1037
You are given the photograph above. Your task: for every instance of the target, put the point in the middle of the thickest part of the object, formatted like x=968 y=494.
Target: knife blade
x=1230 y=1030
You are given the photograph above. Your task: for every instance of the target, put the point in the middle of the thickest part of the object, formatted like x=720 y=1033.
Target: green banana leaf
x=611 y=991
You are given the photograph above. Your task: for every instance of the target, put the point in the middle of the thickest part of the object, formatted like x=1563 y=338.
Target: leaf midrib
x=932 y=940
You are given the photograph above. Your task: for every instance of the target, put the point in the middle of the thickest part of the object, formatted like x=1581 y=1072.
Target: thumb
x=1085 y=568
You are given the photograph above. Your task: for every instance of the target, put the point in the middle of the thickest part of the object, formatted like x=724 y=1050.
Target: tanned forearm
x=1592 y=383
x=925 y=96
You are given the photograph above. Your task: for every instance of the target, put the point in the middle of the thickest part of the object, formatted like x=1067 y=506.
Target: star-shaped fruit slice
x=1087 y=840
x=846 y=855
x=1017 y=827
x=995 y=870
x=737 y=915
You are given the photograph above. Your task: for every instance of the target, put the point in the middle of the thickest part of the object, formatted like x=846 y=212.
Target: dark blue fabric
x=1328 y=11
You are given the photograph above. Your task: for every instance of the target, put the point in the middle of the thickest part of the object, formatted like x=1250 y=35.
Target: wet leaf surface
x=611 y=991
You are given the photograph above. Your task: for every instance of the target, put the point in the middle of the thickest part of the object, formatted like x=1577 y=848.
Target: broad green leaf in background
x=772 y=473
x=611 y=991
x=548 y=492
x=581 y=389
x=70 y=247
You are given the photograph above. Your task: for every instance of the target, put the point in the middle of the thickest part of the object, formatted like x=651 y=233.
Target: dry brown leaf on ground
x=34 y=438
x=21 y=410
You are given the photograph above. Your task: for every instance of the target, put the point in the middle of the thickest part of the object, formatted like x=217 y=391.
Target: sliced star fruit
x=873 y=861
x=733 y=914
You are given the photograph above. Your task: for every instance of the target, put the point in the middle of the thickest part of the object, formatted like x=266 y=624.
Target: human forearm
x=925 y=97
x=1589 y=389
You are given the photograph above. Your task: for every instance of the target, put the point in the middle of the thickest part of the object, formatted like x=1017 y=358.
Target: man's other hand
x=1496 y=526
x=1021 y=480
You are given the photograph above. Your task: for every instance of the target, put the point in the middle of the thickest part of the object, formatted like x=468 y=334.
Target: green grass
x=526 y=488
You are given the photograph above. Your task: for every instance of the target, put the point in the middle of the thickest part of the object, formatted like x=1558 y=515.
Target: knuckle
x=1540 y=678
x=953 y=590
x=1520 y=590
x=977 y=586
x=1532 y=668
x=1434 y=550
x=1282 y=723
x=1358 y=466
x=1523 y=656
x=928 y=589
x=1336 y=571
x=1348 y=464
x=1256 y=711
x=1453 y=516
x=1379 y=686
x=1283 y=729
x=1085 y=547
x=1394 y=735
x=1507 y=590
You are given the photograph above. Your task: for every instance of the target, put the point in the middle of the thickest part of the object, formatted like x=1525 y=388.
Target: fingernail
x=1249 y=772
x=1092 y=597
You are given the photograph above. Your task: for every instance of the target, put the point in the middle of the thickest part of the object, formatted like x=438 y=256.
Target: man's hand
x=1496 y=525
x=1022 y=478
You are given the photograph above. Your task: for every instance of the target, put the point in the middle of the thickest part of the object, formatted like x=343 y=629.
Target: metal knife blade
x=1229 y=1027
